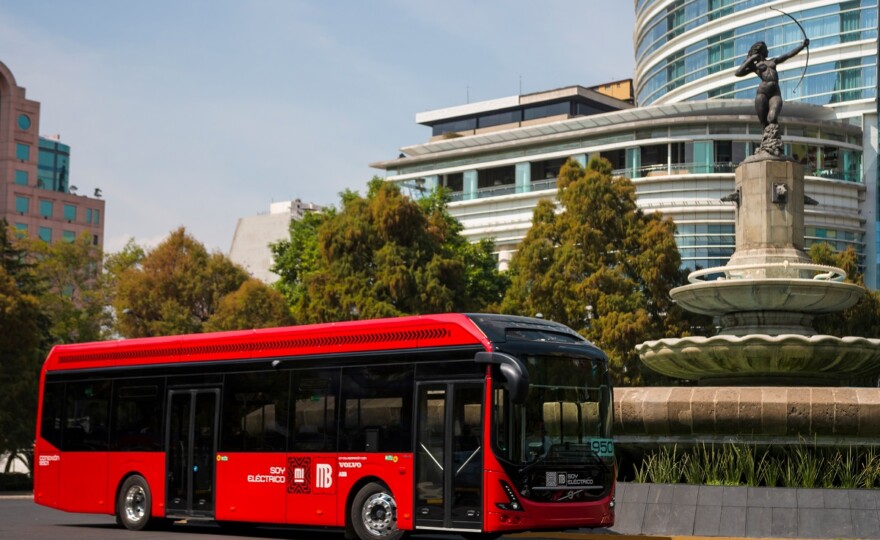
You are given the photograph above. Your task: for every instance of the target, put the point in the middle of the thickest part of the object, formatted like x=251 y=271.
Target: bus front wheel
x=134 y=503
x=374 y=514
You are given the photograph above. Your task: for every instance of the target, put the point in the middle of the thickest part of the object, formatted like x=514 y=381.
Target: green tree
x=595 y=262
x=253 y=305
x=23 y=342
x=74 y=294
x=174 y=288
x=862 y=319
x=384 y=255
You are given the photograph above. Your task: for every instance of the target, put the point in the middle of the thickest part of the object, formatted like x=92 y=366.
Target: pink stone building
x=35 y=193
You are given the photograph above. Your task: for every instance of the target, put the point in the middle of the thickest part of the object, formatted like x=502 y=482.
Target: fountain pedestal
x=765 y=298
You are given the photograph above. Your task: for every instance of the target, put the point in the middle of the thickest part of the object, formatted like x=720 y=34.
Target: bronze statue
x=768 y=99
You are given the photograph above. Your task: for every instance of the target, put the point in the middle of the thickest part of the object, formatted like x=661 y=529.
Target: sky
x=194 y=113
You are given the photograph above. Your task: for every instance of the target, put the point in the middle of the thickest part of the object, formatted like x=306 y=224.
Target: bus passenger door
x=191 y=441
x=449 y=456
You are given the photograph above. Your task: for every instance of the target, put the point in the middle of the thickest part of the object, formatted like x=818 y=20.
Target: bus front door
x=449 y=456
x=191 y=441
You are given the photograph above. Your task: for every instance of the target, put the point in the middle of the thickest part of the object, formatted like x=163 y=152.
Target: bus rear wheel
x=374 y=514
x=134 y=503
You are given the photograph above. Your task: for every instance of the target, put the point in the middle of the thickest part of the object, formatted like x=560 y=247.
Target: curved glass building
x=693 y=123
x=688 y=50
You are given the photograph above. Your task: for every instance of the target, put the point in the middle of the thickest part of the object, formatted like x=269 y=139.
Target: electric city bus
x=476 y=425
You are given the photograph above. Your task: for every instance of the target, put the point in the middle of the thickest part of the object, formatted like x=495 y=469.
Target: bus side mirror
x=516 y=376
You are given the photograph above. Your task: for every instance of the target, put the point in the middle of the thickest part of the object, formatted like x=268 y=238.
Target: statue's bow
x=804 y=32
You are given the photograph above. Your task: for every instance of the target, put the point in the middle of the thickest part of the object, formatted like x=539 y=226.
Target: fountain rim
x=824 y=272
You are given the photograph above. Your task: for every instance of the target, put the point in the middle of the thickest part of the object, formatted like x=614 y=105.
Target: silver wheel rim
x=379 y=514
x=135 y=504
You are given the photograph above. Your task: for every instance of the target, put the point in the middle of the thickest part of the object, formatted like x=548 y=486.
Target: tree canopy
x=862 y=319
x=384 y=255
x=23 y=340
x=600 y=265
x=172 y=289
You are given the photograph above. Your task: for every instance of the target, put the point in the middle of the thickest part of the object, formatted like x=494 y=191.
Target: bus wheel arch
x=372 y=512
x=134 y=501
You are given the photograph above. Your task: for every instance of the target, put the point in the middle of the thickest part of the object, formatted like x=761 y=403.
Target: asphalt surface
x=22 y=519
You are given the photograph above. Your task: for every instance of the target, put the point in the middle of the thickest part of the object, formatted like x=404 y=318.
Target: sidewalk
x=746 y=512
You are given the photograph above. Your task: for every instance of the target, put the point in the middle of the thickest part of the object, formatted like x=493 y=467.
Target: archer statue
x=768 y=99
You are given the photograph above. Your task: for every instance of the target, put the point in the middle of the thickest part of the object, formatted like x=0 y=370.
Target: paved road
x=21 y=519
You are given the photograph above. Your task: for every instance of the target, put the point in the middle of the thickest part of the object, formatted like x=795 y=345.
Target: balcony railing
x=647 y=171
x=724 y=167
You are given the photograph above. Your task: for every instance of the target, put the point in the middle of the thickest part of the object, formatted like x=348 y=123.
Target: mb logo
x=324 y=476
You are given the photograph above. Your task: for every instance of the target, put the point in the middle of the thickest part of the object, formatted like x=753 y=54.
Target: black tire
x=481 y=536
x=374 y=514
x=134 y=503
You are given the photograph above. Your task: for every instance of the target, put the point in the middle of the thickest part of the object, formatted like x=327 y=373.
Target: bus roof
x=415 y=332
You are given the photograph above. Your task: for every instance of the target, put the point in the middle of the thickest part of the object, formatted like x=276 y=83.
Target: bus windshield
x=567 y=412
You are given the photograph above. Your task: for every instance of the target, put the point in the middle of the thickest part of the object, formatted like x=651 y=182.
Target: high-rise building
x=681 y=150
x=36 y=197
x=689 y=50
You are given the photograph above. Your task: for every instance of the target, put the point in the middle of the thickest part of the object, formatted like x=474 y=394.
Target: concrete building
x=253 y=234
x=499 y=158
x=36 y=197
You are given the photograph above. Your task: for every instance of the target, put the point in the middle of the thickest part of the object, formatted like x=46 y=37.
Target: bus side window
x=377 y=414
x=255 y=412
x=86 y=411
x=137 y=415
x=314 y=410
x=53 y=413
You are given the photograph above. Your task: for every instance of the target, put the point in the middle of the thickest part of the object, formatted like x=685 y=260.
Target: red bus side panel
x=47 y=475
x=83 y=484
x=251 y=487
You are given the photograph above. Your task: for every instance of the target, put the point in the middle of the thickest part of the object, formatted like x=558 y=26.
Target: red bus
x=470 y=424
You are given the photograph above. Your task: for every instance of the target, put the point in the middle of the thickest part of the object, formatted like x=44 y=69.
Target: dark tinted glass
x=377 y=409
x=53 y=413
x=87 y=407
x=137 y=415
x=314 y=410
x=255 y=412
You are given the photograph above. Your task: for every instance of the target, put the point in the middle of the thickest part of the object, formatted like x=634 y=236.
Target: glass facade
x=22 y=205
x=47 y=208
x=837 y=25
x=45 y=234
x=22 y=152
x=70 y=212
x=682 y=169
x=21 y=178
x=54 y=164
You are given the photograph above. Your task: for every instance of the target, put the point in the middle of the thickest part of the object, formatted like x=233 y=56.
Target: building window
x=97 y=216
x=22 y=152
x=21 y=178
x=22 y=205
x=45 y=234
x=88 y=215
x=68 y=236
x=24 y=122
x=22 y=228
x=70 y=212
x=46 y=209
x=94 y=239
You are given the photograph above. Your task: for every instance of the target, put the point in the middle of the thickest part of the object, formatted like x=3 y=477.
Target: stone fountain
x=766 y=297
x=767 y=376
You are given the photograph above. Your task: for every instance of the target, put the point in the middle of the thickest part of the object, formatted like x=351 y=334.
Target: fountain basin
x=763 y=359
x=722 y=297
